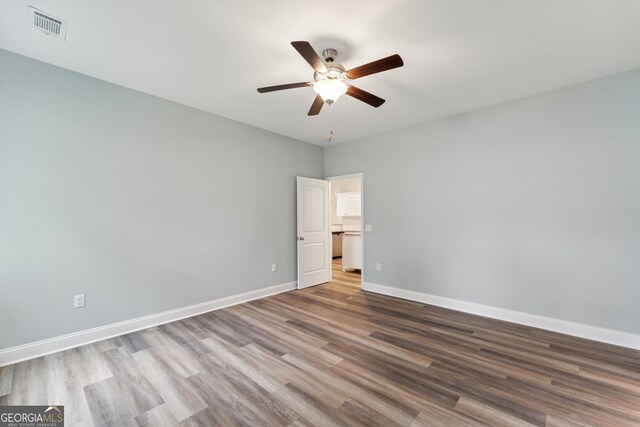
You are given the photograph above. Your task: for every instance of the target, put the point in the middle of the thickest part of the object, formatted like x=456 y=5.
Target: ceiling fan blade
x=282 y=87
x=310 y=55
x=365 y=96
x=316 y=106
x=384 y=64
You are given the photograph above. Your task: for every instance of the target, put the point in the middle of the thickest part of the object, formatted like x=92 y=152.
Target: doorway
x=347 y=227
x=329 y=230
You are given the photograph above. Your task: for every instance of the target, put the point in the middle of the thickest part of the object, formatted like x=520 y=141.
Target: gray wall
x=532 y=205
x=142 y=204
x=145 y=205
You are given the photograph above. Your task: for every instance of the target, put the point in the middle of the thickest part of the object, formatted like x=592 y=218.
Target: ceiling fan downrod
x=329 y=55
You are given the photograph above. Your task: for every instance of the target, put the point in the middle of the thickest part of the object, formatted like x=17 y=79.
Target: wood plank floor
x=335 y=355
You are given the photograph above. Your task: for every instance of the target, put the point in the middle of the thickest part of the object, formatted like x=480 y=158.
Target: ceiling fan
x=331 y=79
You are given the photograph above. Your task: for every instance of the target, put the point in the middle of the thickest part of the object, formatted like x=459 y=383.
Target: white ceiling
x=459 y=55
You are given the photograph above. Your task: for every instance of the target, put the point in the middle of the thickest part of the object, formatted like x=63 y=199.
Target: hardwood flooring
x=335 y=355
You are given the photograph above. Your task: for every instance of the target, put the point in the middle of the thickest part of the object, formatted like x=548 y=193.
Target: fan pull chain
x=331 y=133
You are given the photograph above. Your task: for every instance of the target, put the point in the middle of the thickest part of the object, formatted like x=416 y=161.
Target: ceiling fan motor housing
x=335 y=71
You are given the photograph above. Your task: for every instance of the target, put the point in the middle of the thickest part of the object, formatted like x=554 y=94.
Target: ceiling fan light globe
x=330 y=89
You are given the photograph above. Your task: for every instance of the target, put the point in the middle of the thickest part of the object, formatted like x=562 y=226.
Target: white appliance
x=351 y=251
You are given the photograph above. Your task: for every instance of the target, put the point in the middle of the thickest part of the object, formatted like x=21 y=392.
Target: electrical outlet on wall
x=378 y=266
x=78 y=301
x=368 y=227
x=274 y=268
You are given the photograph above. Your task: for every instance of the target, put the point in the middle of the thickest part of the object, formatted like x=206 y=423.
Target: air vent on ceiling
x=47 y=23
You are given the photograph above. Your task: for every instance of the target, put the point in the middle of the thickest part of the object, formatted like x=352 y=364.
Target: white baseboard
x=20 y=353
x=624 y=339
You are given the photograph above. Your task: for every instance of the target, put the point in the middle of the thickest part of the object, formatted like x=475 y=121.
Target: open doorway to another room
x=346 y=228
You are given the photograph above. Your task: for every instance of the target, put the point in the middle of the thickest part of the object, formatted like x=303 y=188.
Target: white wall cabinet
x=351 y=251
x=348 y=204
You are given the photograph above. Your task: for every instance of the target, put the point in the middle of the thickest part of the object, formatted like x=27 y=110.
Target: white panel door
x=314 y=232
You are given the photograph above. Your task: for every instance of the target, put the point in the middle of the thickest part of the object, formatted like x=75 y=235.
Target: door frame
x=350 y=176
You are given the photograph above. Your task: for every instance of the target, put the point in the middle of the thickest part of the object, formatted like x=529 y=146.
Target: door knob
x=300 y=238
